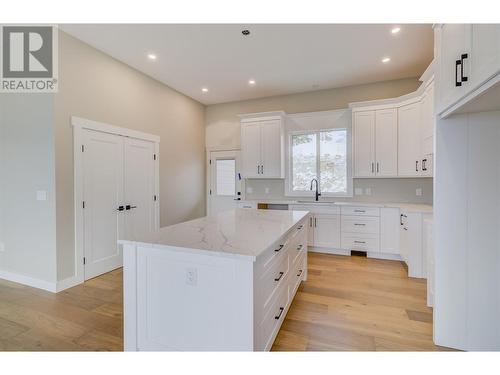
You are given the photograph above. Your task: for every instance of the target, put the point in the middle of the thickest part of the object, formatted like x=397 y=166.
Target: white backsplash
x=400 y=190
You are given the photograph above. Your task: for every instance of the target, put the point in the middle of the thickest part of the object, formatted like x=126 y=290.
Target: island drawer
x=272 y=320
x=360 y=224
x=360 y=241
x=298 y=247
x=297 y=273
x=271 y=280
x=360 y=211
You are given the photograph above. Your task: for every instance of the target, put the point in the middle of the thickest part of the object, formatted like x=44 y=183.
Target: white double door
x=119 y=196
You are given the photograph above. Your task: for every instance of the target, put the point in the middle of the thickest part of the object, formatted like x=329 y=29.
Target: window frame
x=289 y=177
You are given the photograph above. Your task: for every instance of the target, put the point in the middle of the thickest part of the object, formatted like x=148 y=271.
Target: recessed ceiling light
x=204 y=89
x=251 y=82
x=385 y=60
x=151 y=56
x=396 y=30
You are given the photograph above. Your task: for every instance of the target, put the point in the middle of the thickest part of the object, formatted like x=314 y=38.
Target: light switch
x=41 y=195
x=358 y=191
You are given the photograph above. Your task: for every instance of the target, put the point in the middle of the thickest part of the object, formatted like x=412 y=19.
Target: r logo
x=27 y=52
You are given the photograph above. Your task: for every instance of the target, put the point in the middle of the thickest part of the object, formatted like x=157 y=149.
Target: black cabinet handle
x=457 y=82
x=299 y=247
x=359 y=224
x=416 y=166
x=237 y=199
x=279 y=248
x=300 y=227
x=424 y=162
x=401 y=219
x=359 y=242
x=128 y=207
x=120 y=208
x=300 y=273
x=279 y=315
x=462 y=77
x=360 y=211
x=279 y=277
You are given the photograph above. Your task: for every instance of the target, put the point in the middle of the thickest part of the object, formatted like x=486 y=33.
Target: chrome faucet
x=317 y=188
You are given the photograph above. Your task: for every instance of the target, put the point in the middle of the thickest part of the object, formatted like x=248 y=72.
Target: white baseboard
x=383 y=256
x=29 y=281
x=326 y=250
x=68 y=283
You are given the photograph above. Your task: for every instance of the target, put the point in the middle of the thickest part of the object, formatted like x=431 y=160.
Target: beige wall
x=223 y=127
x=97 y=87
x=223 y=132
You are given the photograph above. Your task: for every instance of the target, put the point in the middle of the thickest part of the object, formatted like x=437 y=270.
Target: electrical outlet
x=191 y=276
x=368 y=191
x=358 y=191
x=2 y=247
x=418 y=192
x=41 y=195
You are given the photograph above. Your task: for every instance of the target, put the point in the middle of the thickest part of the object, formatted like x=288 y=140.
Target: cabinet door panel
x=271 y=149
x=453 y=41
x=364 y=144
x=386 y=142
x=409 y=139
x=389 y=230
x=485 y=55
x=251 y=149
x=327 y=231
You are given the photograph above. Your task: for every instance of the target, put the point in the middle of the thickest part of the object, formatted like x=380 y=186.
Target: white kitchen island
x=220 y=282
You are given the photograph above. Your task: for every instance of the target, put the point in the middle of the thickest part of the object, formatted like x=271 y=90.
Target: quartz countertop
x=408 y=207
x=239 y=232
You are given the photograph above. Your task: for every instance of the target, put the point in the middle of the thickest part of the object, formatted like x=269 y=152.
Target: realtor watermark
x=28 y=61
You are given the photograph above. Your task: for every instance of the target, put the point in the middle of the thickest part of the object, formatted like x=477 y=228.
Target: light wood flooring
x=348 y=303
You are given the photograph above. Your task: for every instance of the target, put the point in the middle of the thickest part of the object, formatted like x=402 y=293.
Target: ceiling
x=282 y=59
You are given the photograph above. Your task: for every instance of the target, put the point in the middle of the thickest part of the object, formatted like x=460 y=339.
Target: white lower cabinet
x=412 y=243
x=389 y=230
x=326 y=230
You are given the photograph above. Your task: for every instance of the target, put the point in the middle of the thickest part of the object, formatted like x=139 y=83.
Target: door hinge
x=83 y=260
x=83 y=204
x=154 y=156
x=83 y=148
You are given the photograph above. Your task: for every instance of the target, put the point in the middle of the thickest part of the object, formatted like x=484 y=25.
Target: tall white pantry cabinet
x=467 y=187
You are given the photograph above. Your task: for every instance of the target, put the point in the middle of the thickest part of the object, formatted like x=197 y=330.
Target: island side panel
x=193 y=301
x=130 y=297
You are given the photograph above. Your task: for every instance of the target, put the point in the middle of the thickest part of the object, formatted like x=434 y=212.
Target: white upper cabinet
x=386 y=142
x=262 y=145
x=409 y=140
x=468 y=67
x=376 y=143
x=364 y=143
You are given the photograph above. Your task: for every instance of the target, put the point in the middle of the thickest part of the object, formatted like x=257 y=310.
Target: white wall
x=95 y=86
x=27 y=226
x=467 y=220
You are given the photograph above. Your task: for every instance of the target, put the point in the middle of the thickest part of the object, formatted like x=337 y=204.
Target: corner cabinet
x=263 y=145
x=468 y=66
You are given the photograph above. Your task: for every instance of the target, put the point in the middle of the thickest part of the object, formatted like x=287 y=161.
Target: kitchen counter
x=240 y=232
x=408 y=207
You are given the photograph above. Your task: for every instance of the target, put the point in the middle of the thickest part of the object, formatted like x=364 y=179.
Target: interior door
x=103 y=194
x=251 y=146
x=225 y=181
x=271 y=149
x=386 y=142
x=139 y=187
x=409 y=140
x=364 y=144
x=327 y=230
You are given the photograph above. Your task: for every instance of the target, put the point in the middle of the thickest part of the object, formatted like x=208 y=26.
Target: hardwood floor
x=357 y=303
x=348 y=303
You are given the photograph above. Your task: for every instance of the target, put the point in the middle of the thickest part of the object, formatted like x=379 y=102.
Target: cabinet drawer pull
x=300 y=227
x=416 y=166
x=462 y=77
x=359 y=242
x=361 y=211
x=424 y=162
x=359 y=224
x=279 y=315
x=279 y=248
x=279 y=277
x=315 y=223
x=299 y=247
x=457 y=82
x=300 y=273
x=310 y=222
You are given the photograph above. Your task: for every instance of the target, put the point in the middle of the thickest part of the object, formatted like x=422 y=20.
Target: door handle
x=315 y=223
x=310 y=222
x=462 y=58
x=377 y=168
x=373 y=168
x=457 y=82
